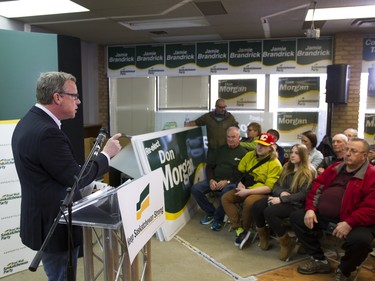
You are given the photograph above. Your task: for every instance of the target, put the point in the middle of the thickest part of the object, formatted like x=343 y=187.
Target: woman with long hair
x=288 y=195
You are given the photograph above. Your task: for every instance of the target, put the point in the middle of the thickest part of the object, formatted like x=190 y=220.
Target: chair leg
x=363 y=265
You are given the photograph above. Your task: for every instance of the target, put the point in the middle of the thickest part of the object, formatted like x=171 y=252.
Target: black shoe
x=313 y=266
x=242 y=239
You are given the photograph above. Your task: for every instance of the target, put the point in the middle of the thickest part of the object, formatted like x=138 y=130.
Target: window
x=181 y=93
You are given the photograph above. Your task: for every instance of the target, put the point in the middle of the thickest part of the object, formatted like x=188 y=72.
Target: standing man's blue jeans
x=55 y=265
x=199 y=191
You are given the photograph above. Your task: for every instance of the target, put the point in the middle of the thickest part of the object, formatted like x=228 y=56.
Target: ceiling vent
x=369 y=22
x=211 y=8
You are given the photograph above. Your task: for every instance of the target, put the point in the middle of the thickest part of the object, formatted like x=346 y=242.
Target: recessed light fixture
x=29 y=8
x=354 y=12
x=165 y=23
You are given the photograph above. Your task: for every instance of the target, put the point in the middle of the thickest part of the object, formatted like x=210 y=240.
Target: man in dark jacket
x=220 y=174
x=217 y=122
x=342 y=199
x=46 y=168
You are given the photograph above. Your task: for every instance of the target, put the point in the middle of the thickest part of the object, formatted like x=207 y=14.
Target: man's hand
x=221 y=184
x=213 y=184
x=241 y=190
x=112 y=147
x=342 y=230
x=310 y=219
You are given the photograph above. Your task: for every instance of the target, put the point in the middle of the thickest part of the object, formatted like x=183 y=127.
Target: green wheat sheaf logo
x=144 y=202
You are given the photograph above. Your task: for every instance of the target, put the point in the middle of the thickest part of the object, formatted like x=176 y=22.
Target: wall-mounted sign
x=292 y=124
x=299 y=92
x=239 y=93
x=180 y=58
x=312 y=53
x=369 y=129
x=223 y=57
x=280 y=54
x=368 y=55
x=246 y=55
x=212 y=57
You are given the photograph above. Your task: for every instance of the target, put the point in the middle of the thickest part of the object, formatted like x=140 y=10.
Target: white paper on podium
x=126 y=161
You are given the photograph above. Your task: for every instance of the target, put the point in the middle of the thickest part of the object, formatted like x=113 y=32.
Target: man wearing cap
x=261 y=169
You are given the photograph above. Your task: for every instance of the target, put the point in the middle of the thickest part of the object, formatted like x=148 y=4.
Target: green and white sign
x=292 y=124
x=121 y=60
x=213 y=56
x=239 y=93
x=299 y=92
x=368 y=56
x=181 y=156
x=369 y=129
x=246 y=55
x=292 y=55
x=172 y=153
x=314 y=55
x=150 y=59
x=180 y=58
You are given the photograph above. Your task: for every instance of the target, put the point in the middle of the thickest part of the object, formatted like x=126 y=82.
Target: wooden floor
x=290 y=273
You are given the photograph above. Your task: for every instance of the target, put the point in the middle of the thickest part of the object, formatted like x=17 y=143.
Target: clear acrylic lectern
x=99 y=214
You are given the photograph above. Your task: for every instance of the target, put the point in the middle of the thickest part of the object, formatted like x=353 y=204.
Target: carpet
x=217 y=247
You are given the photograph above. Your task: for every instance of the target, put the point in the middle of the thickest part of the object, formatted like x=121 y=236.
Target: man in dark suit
x=46 y=167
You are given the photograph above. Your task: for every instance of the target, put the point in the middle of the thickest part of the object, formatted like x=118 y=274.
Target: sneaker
x=216 y=226
x=207 y=219
x=339 y=276
x=314 y=266
x=242 y=239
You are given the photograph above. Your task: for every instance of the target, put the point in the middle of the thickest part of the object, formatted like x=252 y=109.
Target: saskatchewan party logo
x=144 y=202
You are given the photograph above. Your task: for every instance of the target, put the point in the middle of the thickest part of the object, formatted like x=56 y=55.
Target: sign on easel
x=180 y=153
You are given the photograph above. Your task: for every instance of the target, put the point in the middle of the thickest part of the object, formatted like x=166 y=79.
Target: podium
x=99 y=215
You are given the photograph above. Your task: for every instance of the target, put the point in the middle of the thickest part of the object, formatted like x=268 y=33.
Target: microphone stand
x=67 y=203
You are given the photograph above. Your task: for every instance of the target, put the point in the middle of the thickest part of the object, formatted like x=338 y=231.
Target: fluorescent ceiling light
x=354 y=12
x=29 y=8
x=187 y=38
x=165 y=23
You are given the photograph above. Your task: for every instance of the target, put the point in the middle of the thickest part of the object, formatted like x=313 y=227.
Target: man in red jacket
x=342 y=199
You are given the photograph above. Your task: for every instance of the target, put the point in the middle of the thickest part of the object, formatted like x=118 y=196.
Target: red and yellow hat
x=266 y=139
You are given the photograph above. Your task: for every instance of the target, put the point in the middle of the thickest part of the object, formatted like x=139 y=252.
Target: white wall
x=11 y=24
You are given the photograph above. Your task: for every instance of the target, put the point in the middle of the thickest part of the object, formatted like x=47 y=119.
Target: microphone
x=100 y=140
